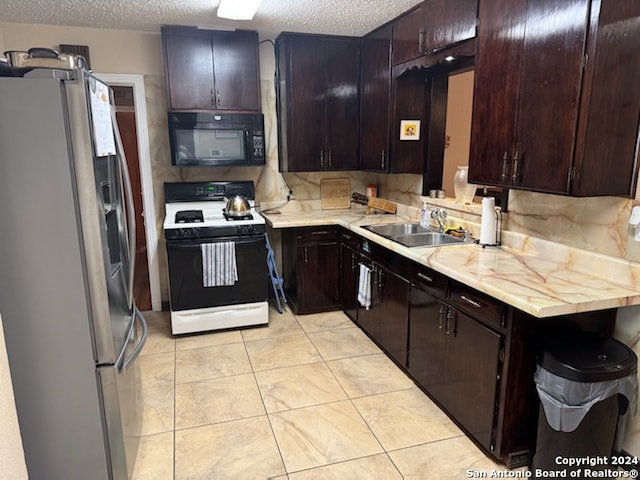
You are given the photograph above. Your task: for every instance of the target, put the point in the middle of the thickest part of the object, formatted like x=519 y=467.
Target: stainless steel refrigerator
x=67 y=242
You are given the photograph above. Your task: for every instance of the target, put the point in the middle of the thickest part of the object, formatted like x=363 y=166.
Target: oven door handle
x=195 y=243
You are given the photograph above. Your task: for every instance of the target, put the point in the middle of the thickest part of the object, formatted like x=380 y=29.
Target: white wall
x=111 y=51
x=12 y=464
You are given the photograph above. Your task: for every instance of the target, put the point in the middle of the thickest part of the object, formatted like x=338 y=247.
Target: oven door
x=187 y=290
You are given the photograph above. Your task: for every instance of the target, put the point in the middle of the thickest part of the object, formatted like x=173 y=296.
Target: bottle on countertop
x=424 y=215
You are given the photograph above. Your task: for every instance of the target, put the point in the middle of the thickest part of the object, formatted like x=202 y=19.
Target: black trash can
x=587 y=387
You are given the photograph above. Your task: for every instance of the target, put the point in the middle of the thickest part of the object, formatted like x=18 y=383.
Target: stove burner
x=244 y=217
x=189 y=216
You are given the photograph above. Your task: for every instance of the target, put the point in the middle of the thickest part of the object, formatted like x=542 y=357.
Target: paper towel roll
x=488 y=221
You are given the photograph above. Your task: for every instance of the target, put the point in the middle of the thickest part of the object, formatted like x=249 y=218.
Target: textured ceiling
x=340 y=17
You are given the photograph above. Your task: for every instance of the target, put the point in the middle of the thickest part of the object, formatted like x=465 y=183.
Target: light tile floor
x=308 y=397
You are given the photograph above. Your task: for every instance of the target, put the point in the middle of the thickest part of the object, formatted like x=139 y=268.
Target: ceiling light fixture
x=238 y=9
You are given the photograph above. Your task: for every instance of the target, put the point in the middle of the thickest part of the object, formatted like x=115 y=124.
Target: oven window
x=186 y=282
x=204 y=146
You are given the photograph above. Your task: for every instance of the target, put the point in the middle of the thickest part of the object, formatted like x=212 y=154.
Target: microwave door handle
x=248 y=144
x=131 y=217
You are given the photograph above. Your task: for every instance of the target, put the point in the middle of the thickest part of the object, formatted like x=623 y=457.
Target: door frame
x=146 y=179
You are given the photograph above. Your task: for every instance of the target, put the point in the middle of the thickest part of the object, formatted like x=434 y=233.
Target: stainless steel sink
x=413 y=235
x=393 y=229
x=432 y=239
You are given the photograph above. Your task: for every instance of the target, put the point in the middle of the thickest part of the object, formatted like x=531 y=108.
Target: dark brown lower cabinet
x=456 y=360
x=428 y=342
x=310 y=267
x=387 y=319
x=349 y=257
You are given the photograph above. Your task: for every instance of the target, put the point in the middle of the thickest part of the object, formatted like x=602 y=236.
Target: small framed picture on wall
x=409 y=129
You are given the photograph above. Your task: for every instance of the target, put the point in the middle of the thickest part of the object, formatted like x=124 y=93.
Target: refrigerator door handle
x=130 y=210
x=143 y=339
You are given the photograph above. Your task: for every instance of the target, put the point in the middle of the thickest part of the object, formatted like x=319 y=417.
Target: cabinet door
x=189 y=71
x=534 y=73
x=341 y=94
x=472 y=364
x=305 y=107
x=349 y=281
x=550 y=92
x=408 y=37
x=498 y=64
x=428 y=343
x=237 y=83
x=387 y=319
x=375 y=98
x=447 y=23
x=392 y=318
x=318 y=277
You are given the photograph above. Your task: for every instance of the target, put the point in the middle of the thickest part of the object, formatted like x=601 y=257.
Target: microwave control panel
x=258 y=144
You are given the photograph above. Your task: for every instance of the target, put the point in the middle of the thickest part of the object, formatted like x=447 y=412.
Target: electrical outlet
x=291 y=196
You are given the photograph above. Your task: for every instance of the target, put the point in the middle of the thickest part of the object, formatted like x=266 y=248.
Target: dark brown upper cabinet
x=386 y=102
x=433 y=27
x=317 y=101
x=211 y=70
x=556 y=102
x=375 y=100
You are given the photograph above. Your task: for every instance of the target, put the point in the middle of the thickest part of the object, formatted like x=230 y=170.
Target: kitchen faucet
x=441 y=215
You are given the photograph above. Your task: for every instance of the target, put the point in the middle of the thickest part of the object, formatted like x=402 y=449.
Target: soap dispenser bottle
x=424 y=215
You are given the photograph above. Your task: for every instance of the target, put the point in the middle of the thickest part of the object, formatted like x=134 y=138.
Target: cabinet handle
x=425 y=277
x=306 y=255
x=471 y=302
x=347 y=236
x=421 y=39
x=321 y=158
x=320 y=232
x=213 y=97
x=451 y=323
x=380 y=281
x=516 y=169
x=571 y=175
x=442 y=317
x=505 y=165
x=354 y=262
x=374 y=284
x=382 y=159
x=330 y=158
x=218 y=101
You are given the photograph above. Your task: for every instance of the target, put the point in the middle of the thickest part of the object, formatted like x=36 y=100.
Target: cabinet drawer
x=317 y=235
x=429 y=280
x=478 y=305
x=350 y=239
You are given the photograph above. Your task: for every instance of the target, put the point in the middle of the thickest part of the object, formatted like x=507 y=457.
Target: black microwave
x=216 y=139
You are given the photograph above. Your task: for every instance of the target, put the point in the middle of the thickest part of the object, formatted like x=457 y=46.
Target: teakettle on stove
x=238 y=207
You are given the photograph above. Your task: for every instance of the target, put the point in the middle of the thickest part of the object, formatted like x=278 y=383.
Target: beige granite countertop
x=541 y=278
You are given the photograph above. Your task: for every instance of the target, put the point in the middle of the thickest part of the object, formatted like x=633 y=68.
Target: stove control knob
x=189 y=232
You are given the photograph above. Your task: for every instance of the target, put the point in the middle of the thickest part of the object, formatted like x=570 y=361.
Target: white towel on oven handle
x=219 y=267
x=364 y=287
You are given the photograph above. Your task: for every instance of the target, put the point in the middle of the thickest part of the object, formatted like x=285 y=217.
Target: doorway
x=131 y=114
x=126 y=117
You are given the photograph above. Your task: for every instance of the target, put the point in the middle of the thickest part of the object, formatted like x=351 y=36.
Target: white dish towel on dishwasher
x=219 y=266
x=364 y=287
